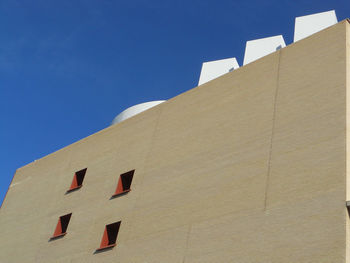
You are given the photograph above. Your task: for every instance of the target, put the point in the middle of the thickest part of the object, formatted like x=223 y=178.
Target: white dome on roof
x=136 y=109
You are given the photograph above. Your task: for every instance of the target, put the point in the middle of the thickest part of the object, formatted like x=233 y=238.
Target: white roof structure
x=310 y=24
x=136 y=109
x=214 y=69
x=255 y=49
x=259 y=48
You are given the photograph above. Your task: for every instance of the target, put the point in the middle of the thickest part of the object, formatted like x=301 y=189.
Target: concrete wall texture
x=249 y=168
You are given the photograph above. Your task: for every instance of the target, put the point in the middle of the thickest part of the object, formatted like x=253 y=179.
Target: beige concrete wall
x=347 y=138
x=248 y=168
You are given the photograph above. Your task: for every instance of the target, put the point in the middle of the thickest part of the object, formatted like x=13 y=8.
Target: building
x=250 y=167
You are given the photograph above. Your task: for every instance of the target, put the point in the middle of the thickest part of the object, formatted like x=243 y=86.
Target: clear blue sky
x=68 y=67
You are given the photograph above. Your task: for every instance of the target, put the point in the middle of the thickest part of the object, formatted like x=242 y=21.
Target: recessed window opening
x=110 y=234
x=124 y=183
x=78 y=180
x=62 y=225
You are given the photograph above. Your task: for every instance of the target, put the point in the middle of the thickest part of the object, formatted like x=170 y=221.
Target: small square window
x=62 y=225
x=77 y=180
x=124 y=183
x=109 y=237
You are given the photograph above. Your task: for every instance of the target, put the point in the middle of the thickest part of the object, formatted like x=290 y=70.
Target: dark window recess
x=78 y=180
x=110 y=234
x=348 y=207
x=62 y=225
x=124 y=183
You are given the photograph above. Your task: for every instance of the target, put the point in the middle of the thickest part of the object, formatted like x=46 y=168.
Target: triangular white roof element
x=259 y=48
x=214 y=69
x=310 y=24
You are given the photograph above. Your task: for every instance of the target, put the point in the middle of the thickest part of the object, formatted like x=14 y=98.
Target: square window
x=124 y=183
x=77 y=180
x=109 y=237
x=62 y=225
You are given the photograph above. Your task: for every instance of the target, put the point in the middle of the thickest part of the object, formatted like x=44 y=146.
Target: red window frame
x=124 y=183
x=62 y=225
x=78 y=179
x=110 y=234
